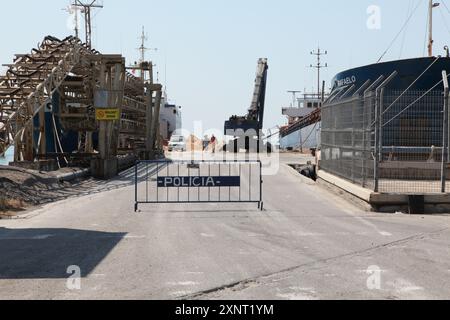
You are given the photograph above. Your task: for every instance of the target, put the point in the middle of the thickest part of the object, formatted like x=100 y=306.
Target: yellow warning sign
x=107 y=114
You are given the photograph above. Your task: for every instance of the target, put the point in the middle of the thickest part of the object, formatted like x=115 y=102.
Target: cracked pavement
x=307 y=244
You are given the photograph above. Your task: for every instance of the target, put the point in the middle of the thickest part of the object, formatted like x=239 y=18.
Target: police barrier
x=166 y=181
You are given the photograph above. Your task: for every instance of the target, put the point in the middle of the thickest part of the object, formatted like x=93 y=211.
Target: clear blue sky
x=211 y=47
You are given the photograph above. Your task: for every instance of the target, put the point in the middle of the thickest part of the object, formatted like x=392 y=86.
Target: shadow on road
x=124 y=179
x=47 y=253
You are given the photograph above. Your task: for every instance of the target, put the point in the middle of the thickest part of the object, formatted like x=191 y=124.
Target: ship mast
x=430 y=27
x=86 y=7
x=319 y=53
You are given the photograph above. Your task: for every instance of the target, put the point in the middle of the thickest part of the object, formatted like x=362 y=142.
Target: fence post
x=378 y=125
x=445 y=133
x=353 y=122
x=380 y=130
x=368 y=95
x=377 y=137
x=261 y=201
x=364 y=165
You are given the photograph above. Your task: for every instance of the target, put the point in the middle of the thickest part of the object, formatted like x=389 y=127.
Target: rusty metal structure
x=64 y=100
x=312 y=118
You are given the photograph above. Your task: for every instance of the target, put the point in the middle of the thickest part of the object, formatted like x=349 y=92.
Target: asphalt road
x=307 y=244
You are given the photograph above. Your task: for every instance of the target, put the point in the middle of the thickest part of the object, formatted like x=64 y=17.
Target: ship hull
x=409 y=72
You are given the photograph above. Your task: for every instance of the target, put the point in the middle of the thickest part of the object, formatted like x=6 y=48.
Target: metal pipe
x=386 y=82
x=430 y=28
x=346 y=93
x=363 y=87
x=373 y=85
x=323 y=91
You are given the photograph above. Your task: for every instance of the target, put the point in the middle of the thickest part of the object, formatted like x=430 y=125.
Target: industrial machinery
x=65 y=102
x=246 y=131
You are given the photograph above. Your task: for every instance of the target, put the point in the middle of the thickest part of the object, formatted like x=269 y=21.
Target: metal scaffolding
x=67 y=82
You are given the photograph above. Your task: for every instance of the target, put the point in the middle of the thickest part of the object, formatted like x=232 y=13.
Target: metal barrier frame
x=198 y=162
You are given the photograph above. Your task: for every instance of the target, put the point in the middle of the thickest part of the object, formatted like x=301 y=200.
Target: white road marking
x=98 y=275
x=38 y=237
x=118 y=237
x=180 y=293
x=344 y=206
x=183 y=284
x=281 y=279
x=343 y=233
x=308 y=234
x=298 y=294
x=194 y=273
x=366 y=270
x=134 y=237
x=303 y=289
x=255 y=235
x=410 y=289
x=373 y=226
x=205 y=235
x=404 y=286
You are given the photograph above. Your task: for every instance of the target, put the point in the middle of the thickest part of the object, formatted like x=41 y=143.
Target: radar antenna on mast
x=431 y=6
x=86 y=7
x=319 y=66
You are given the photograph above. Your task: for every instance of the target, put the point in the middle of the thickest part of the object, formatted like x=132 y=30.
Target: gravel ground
x=21 y=189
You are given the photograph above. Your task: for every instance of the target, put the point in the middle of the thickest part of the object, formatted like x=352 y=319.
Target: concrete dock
x=308 y=243
x=391 y=202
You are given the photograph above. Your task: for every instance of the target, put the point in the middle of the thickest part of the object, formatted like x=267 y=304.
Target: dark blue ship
x=415 y=74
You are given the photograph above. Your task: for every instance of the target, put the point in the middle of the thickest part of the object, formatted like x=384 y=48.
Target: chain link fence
x=387 y=141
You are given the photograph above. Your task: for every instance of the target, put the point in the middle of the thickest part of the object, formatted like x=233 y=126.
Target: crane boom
x=255 y=116
x=246 y=130
x=256 y=111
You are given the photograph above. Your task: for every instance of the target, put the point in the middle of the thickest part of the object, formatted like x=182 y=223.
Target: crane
x=246 y=128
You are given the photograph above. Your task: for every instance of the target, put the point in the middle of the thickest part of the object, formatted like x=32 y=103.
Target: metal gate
x=171 y=182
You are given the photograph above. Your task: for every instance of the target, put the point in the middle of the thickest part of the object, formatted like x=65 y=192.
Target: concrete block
x=357 y=191
x=384 y=202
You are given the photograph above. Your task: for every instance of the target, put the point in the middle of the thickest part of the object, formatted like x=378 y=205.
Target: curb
x=298 y=175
